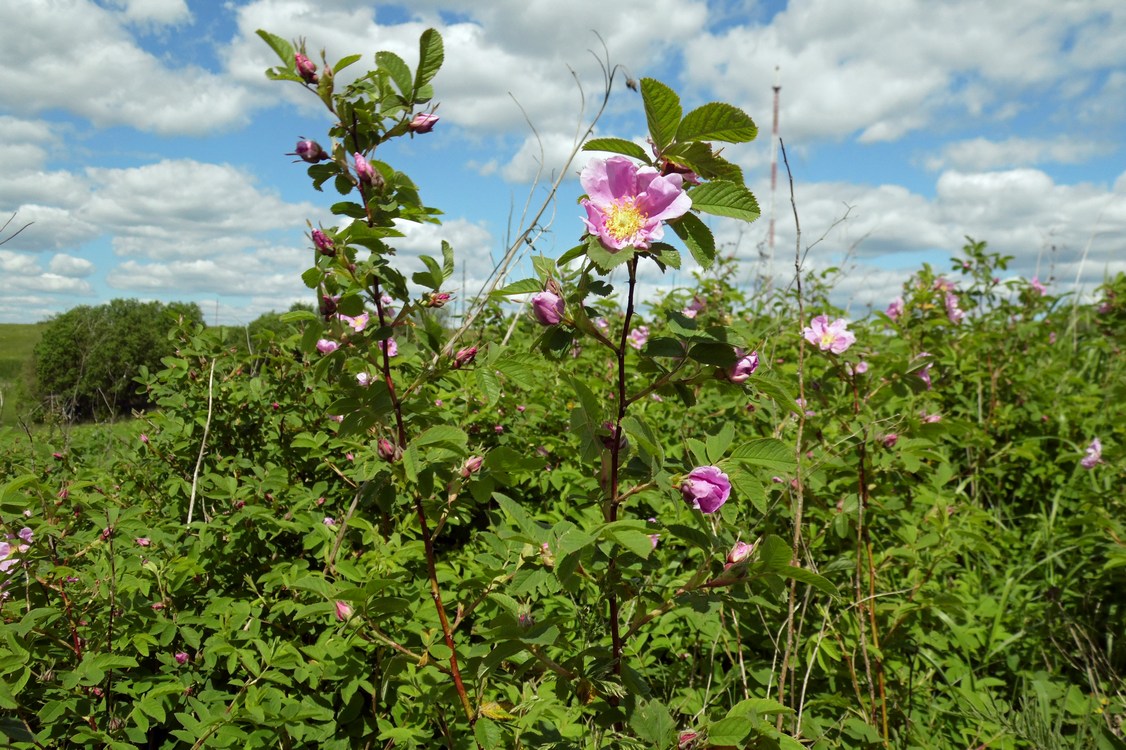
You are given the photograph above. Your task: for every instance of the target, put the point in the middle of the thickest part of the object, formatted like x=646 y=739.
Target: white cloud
x=184 y=208
x=982 y=153
x=68 y=265
x=91 y=66
x=159 y=12
x=885 y=69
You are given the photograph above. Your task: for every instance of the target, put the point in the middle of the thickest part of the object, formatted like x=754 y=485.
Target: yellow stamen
x=623 y=220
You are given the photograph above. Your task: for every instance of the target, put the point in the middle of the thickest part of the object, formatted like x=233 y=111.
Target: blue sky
x=147 y=147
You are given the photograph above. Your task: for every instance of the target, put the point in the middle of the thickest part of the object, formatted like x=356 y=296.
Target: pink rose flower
x=834 y=337
x=327 y=346
x=739 y=553
x=626 y=204
x=638 y=336
x=358 y=323
x=1039 y=287
x=465 y=356
x=706 y=488
x=953 y=312
x=895 y=309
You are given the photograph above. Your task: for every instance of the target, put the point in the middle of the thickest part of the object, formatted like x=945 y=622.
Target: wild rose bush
x=380 y=531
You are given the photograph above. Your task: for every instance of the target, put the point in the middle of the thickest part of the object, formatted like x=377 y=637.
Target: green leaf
x=344 y=62
x=702 y=159
x=808 y=576
x=447 y=260
x=697 y=237
x=774 y=553
x=431 y=54
x=664 y=255
x=281 y=47
x=488 y=733
x=717 y=121
x=633 y=535
x=605 y=260
x=523 y=286
x=724 y=198
x=662 y=111
x=617 y=146
x=766 y=452
x=398 y=70
x=577 y=251
x=653 y=724
x=450 y=437
x=730 y=731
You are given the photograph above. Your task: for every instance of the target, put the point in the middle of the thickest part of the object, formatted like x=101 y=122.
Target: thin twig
x=203 y=442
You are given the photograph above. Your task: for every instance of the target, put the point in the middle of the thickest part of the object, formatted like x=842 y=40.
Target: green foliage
x=477 y=537
x=17 y=344
x=87 y=358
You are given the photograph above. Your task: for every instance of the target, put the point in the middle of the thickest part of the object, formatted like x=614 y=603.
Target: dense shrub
x=88 y=358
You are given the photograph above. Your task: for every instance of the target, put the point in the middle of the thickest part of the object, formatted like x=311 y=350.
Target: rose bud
x=366 y=173
x=437 y=299
x=423 y=122
x=309 y=151
x=323 y=242
x=472 y=465
x=305 y=68
x=465 y=356
x=548 y=308
x=739 y=553
x=388 y=451
x=343 y=611
x=744 y=367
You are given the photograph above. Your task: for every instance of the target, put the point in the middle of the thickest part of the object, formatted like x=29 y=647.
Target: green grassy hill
x=17 y=341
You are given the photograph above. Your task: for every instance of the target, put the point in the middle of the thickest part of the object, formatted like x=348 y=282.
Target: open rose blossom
x=626 y=204
x=706 y=488
x=833 y=337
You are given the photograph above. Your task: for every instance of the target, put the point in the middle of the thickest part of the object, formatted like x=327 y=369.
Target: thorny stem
x=436 y=595
x=615 y=465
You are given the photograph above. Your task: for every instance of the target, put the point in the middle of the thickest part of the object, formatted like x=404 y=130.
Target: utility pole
x=773 y=179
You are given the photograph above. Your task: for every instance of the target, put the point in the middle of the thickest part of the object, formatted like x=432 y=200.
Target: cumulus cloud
x=155 y=12
x=70 y=266
x=91 y=66
x=982 y=153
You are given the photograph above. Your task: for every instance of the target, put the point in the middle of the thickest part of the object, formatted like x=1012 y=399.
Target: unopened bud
x=323 y=242
x=472 y=465
x=305 y=68
x=465 y=356
x=423 y=122
x=309 y=151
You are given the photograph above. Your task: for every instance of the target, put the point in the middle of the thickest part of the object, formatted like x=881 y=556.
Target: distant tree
x=86 y=361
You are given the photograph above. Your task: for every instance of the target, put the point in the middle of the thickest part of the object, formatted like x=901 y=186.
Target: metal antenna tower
x=773 y=179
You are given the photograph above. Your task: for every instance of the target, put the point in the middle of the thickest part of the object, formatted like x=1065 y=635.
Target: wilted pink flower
x=327 y=346
x=744 y=367
x=602 y=324
x=343 y=611
x=1038 y=286
x=144 y=438
x=706 y=488
x=954 y=312
x=1094 y=455
x=423 y=122
x=890 y=440
x=520 y=408
x=610 y=434
x=309 y=151
x=686 y=740
x=931 y=418
x=465 y=356
x=336 y=417
x=638 y=336
x=499 y=429
x=1051 y=337
x=436 y=299
x=548 y=307
x=143 y=541
x=364 y=171
x=390 y=347
x=740 y=552
x=834 y=337
x=694 y=307
x=329 y=305
x=626 y=205
x=859 y=368
x=181 y=657
x=305 y=68
x=329 y=521
x=895 y=308
x=25 y=535
x=654 y=539
x=323 y=242
x=364 y=378
x=472 y=465
x=157 y=606
x=942 y=285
